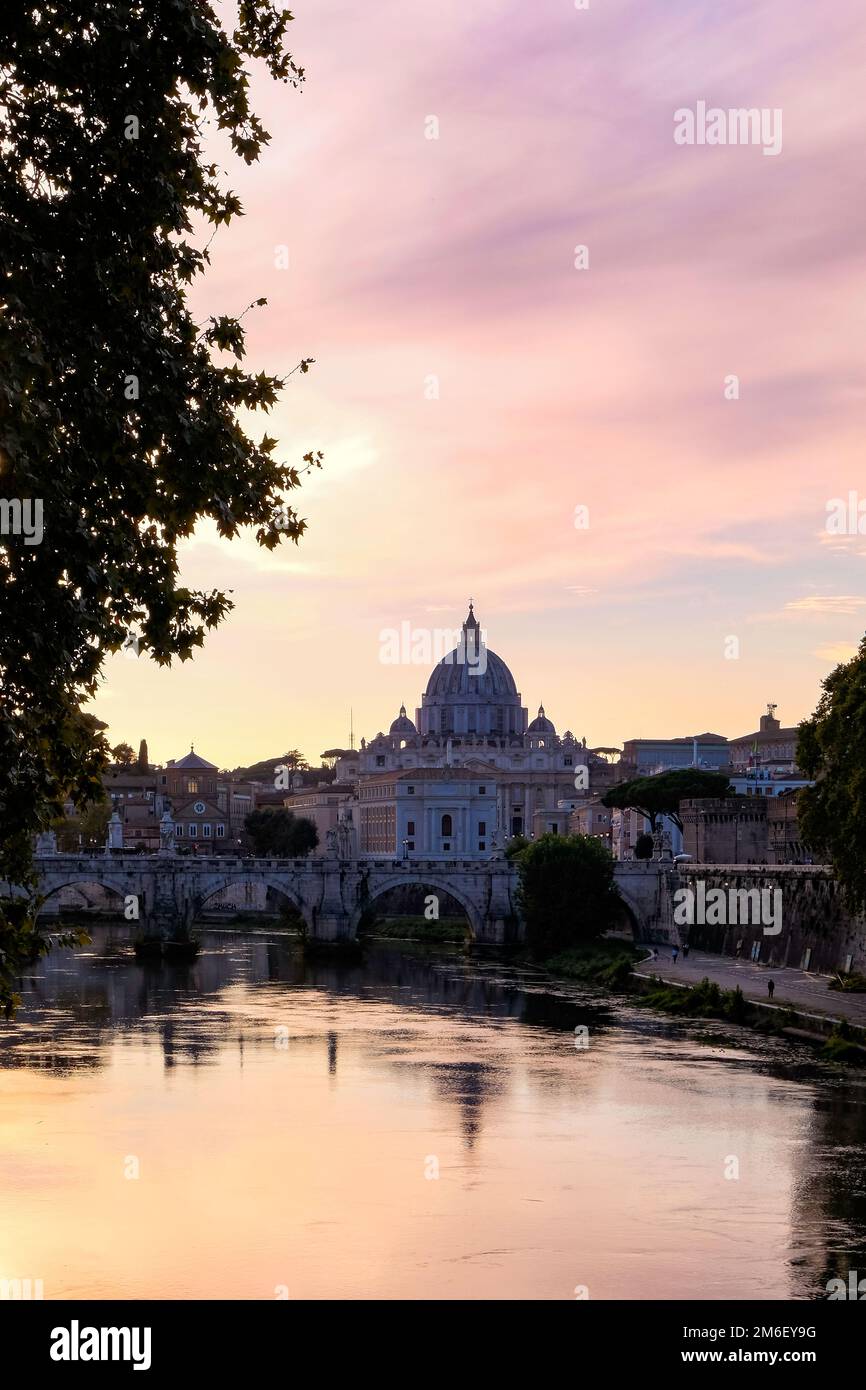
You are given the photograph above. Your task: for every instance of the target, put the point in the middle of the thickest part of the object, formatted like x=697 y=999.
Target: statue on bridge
x=344 y=838
x=166 y=834
x=662 y=847
x=114 y=833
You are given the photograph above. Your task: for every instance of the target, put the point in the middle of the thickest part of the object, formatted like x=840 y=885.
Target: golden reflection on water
x=287 y=1120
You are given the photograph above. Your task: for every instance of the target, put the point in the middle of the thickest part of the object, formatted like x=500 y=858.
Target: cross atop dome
x=471 y=620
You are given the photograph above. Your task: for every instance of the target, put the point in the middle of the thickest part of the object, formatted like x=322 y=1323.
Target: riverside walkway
x=803 y=991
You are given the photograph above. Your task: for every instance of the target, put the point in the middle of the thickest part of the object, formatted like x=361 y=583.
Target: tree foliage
x=85 y=830
x=832 y=749
x=661 y=795
x=643 y=848
x=118 y=415
x=567 y=892
x=276 y=832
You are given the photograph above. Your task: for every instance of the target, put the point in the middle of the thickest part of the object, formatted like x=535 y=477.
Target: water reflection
x=420 y=1125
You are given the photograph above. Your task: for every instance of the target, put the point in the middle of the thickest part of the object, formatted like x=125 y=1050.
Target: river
x=427 y=1125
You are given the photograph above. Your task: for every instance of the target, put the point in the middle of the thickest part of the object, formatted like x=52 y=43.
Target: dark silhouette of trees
x=567 y=892
x=118 y=411
x=275 y=832
x=661 y=795
x=832 y=748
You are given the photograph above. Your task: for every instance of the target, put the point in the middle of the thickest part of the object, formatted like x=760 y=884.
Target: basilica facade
x=470 y=771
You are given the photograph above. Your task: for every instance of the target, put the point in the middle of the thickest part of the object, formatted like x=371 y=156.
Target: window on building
x=192 y=785
x=482 y=791
x=178 y=830
x=482 y=827
x=568 y=760
x=445 y=845
x=380 y=760
x=205 y=830
x=220 y=830
x=411 y=791
x=410 y=844
x=446 y=826
x=481 y=844
x=192 y=831
x=410 y=827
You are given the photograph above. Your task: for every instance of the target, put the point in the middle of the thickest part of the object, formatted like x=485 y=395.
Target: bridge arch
x=631 y=918
x=84 y=878
x=645 y=892
x=218 y=884
x=377 y=887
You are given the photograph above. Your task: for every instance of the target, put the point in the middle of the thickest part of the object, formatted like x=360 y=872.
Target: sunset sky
x=453 y=258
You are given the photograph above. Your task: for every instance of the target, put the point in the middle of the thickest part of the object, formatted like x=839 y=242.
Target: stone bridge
x=167 y=892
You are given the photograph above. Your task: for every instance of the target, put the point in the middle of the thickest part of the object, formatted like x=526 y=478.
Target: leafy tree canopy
x=87 y=829
x=832 y=748
x=567 y=892
x=119 y=421
x=276 y=832
x=643 y=847
x=661 y=795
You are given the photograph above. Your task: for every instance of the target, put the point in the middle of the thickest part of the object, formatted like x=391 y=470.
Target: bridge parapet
x=331 y=894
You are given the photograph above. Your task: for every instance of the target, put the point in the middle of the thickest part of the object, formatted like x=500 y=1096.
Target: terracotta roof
x=192 y=760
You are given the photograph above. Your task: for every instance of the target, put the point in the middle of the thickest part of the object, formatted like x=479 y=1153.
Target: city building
x=642 y=757
x=472 y=730
x=190 y=785
x=593 y=818
x=725 y=830
x=134 y=795
x=208 y=808
x=327 y=806
x=784 y=831
x=770 y=748
x=428 y=813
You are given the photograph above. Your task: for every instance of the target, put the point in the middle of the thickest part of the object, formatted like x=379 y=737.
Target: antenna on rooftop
x=351 y=730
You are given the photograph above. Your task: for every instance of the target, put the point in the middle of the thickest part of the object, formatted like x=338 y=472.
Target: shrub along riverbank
x=609 y=963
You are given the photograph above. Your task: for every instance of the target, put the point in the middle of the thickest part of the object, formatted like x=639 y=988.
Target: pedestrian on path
x=685 y=950
x=674 y=953
x=771 y=987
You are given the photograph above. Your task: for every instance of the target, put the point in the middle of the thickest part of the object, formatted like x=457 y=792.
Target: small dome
x=403 y=724
x=542 y=724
